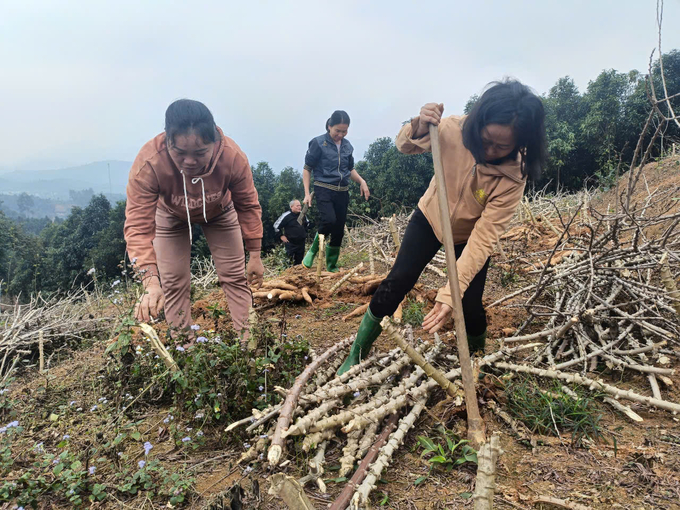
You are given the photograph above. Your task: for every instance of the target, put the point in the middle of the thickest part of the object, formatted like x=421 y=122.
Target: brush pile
x=606 y=295
x=40 y=323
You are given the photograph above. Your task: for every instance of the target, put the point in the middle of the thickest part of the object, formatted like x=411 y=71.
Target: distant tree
x=265 y=183
x=34 y=226
x=82 y=197
x=470 y=103
x=25 y=203
x=19 y=253
x=564 y=110
x=108 y=251
x=69 y=244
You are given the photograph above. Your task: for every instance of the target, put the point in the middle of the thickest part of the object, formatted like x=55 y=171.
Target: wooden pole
x=41 y=349
x=475 y=424
x=321 y=257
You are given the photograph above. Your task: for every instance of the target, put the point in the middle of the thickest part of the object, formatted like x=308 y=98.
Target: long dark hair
x=510 y=103
x=338 y=117
x=185 y=115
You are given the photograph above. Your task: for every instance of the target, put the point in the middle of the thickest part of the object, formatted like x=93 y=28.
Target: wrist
x=152 y=281
x=254 y=254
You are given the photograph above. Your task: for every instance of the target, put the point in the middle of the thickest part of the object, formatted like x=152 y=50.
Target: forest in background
x=589 y=133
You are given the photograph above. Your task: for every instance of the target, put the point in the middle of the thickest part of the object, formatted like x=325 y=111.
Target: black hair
x=510 y=103
x=338 y=117
x=185 y=115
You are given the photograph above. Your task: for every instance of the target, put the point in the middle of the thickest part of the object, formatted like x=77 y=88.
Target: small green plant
x=545 y=410
x=446 y=451
x=216 y=311
x=215 y=381
x=152 y=477
x=277 y=259
x=7 y=403
x=336 y=309
x=509 y=277
x=414 y=313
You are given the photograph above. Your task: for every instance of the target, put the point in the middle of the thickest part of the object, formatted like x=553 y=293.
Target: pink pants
x=173 y=253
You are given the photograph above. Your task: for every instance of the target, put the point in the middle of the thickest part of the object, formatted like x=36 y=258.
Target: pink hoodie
x=155 y=182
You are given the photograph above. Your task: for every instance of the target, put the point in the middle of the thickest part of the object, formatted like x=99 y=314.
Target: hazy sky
x=82 y=81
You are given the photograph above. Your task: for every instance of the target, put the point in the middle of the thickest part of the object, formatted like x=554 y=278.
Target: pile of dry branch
x=604 y=299
x=606 y=295
x=33 y=326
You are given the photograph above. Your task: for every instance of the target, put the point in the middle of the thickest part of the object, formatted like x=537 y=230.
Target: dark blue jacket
x=326 y=163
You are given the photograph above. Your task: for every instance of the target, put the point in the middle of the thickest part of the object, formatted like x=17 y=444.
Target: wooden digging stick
x=475 y=423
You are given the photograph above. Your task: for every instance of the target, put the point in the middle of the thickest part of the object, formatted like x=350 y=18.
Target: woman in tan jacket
x=192 y=173
x=487 y=157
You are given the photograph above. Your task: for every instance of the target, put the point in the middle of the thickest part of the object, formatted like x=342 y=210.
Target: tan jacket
x=155 y=182
x=482 y=198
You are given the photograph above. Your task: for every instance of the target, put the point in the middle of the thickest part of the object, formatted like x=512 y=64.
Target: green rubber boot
x=313 y=250
x=332 y=255
x=368 y=331
x=477 y=343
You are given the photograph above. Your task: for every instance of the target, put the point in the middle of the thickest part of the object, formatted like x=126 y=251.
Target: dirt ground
x=634 y=466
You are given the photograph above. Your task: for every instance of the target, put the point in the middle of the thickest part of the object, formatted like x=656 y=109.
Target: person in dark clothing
x=291 y=232
x=329 y=158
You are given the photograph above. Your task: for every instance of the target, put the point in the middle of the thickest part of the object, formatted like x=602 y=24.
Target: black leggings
x=417 y=249
x=332 y=207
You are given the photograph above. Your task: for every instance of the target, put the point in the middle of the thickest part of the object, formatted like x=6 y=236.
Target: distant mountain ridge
x=57 y=183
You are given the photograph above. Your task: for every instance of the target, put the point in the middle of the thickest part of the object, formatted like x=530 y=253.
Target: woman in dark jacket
x=329 y=157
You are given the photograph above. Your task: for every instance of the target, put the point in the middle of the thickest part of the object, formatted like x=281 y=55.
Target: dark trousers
x=332 y=207
x=295 y=250
x=417 y=249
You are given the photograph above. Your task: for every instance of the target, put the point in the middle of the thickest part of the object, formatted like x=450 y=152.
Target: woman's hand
x=307 y=200
x=152 y=302
x=431 y=113
x=437 y=318
x=255 y=269
x=363 y=190
x=284 y=240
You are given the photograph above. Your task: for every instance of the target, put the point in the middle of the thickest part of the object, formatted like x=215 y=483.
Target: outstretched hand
x=437 y=317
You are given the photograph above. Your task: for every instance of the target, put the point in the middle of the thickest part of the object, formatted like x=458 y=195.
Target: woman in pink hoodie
x=192 y=173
